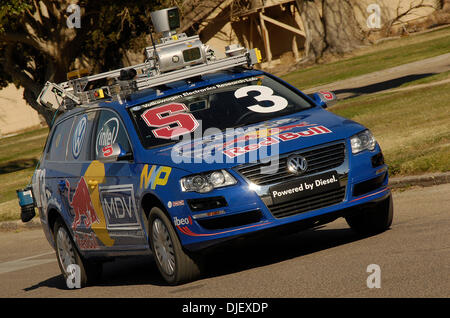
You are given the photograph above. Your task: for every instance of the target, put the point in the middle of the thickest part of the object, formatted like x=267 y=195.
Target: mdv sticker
x=78 y=136
x=119 y=207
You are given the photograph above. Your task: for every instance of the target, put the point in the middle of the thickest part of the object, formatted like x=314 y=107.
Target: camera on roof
x=175 y=51
x=166 y=21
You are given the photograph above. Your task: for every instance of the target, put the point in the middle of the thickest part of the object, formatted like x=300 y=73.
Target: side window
x=56 y=150
x=110 y=130
x=80 y=142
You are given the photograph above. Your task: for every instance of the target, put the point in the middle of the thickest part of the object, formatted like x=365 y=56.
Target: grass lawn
x=375 y=58
x=18 y=158
x=413 y=127
x=25 y=145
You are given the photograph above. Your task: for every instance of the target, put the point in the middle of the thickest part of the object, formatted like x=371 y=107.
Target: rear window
x=58 y=142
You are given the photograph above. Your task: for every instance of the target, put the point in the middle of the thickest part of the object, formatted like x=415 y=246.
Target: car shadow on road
x=380 y=86
x=271 y=250
x=233 y=257
x=53 y=282
x=139 y=270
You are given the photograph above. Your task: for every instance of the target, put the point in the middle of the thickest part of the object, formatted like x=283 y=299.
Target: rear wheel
x=175 y=265
x=77 y=271
x=373 y=220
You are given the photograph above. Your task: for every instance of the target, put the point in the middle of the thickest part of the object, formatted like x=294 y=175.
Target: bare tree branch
x=400 y=15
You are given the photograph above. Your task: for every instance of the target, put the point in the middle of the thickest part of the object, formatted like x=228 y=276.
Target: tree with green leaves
x=37 y=43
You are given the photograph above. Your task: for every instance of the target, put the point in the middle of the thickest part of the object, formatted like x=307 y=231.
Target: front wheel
x=373 y=220
x=174 y=264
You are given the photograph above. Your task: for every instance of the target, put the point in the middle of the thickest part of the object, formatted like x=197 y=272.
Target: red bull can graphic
x=82 y=206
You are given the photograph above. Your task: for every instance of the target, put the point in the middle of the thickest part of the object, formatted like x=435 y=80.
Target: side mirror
x=324 y=98
x=113 y=153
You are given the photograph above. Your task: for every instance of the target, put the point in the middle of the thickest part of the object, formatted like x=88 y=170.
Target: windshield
x=226 y=105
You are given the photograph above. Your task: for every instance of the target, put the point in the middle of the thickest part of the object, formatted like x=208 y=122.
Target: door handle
x=61 y=185
x=92 y=183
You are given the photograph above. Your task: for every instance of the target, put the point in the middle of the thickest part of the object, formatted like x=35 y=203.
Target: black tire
x=67 y=253
x=175 y=265
x=373 y=220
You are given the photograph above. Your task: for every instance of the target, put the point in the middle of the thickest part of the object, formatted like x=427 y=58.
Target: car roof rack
x=176 y=57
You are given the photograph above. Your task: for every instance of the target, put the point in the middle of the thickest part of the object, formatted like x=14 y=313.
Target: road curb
x=425 y=180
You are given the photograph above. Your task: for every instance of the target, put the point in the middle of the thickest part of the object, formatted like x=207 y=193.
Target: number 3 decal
x=265 y=94
x=175 y=113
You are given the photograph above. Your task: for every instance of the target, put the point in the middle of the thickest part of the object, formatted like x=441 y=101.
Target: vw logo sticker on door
x=78 y=136
x=296 y=164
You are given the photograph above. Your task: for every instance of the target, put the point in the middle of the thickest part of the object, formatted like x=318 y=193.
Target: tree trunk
x=315 y=43
x=343 y=33
x=335 y=31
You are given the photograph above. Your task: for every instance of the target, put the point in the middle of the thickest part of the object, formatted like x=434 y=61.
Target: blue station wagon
x=176 y=162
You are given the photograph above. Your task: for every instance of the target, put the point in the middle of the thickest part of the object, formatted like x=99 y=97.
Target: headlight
x=206 y=182
x=363 y=141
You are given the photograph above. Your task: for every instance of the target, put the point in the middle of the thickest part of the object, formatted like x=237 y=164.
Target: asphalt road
x=388 y=79
x=413 y=258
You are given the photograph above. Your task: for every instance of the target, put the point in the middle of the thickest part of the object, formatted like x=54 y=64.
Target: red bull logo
x=82 y=206
x=283 y=137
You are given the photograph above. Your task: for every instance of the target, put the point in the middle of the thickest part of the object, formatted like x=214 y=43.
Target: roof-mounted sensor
x=175 y=57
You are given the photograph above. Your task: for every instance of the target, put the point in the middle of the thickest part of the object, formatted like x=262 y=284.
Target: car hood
x=255 y=142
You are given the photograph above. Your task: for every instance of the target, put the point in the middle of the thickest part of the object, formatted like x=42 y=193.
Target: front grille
x=310 y=203
x=319 y=159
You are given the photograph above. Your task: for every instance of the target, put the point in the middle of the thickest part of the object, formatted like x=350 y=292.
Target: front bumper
x=292 y=225
x=249 y=211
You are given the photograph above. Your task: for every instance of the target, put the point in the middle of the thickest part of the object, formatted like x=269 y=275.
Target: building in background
x=275 y=26
x=15 y=114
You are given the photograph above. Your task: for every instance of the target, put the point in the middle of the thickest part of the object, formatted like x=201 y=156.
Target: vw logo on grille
x=297 y=164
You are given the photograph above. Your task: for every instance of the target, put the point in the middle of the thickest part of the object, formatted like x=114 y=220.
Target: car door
x=52 y=168
x=80 y=184
x=118 y=191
